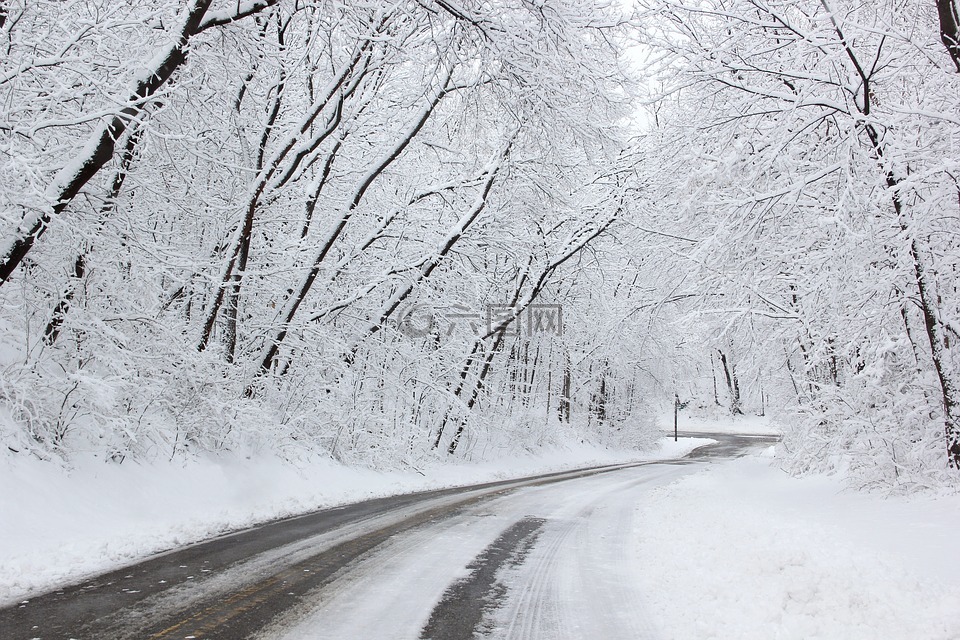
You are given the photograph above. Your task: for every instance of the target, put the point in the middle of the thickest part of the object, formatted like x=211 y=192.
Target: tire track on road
x=468 y=601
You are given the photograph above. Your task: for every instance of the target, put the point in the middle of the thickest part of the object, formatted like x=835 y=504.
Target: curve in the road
x=233 y=585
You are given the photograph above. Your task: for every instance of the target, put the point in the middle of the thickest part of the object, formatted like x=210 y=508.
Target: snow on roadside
x=57 y=528
x=720 y=422
x=741 y=550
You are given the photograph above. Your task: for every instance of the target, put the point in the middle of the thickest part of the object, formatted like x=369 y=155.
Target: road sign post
x=676 y=411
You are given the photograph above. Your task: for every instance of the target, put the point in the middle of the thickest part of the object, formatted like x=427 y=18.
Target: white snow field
x=741 y=550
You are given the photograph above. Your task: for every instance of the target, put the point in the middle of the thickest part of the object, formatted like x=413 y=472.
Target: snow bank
x=721 y=422
x=741 y=550
x=57 y=527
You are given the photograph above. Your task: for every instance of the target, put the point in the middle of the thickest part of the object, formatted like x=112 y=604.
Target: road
x=533 y=558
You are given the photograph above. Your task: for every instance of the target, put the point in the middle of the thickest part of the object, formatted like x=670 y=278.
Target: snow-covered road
x=714 y=546
x=406 y=550
x=568 y=577
x=733 y=549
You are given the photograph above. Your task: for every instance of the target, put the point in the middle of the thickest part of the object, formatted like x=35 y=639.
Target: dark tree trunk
x=104 y=145
x=549 y=387
x=950 y=394
x=913 y=343
x=273 y=349
x=564 y=407
x=834 y=367
x=231 y=285
x=464 y=372
x=737 y=405
x=478 y=387
x=513 y=367
x=713 y=374
x=52 y=330
x=532 y=377
x=938 y=351
x=246 y=235
x=950 y=29
x=536 y=289
x=733 y=386
x=600 y=399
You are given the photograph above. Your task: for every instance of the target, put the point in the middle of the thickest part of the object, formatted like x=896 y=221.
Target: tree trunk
x=464 y=372
x=733 y=386
x=600 y=398
x=366 y=181
x=713 y=374
x=100 y=147
x=564 y=408
x=940 y=355
x=950 y=394
x=52 y=331
x=478 y=387
x=232 y=282
x=950 y=29
x=941 y=360
x=549 y=389
x=737 y=405
x=532 y=377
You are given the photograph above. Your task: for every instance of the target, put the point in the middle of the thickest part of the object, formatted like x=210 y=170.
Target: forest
x=389 y=231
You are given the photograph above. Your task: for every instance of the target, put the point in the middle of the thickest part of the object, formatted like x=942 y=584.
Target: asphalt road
x=263 y=581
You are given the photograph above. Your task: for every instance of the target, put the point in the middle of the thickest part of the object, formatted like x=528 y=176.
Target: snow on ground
x=720 y=422
x=741 y=550
x=57 y=527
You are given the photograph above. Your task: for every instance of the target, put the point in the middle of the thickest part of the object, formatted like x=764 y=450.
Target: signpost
x=676 y=410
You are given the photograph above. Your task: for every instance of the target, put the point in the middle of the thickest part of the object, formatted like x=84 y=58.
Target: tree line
x=283 y=225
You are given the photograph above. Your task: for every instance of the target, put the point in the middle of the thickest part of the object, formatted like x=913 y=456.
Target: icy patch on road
x=741 y=550
x=57 y=527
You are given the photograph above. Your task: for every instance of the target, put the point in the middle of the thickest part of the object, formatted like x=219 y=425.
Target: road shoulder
x=742 y=550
